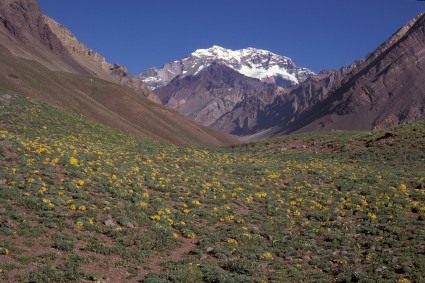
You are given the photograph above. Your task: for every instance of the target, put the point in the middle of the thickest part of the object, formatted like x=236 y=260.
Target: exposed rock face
x=251 y=62
x=217 y=91
x=25 y=33
x=24 y=20
x=387 y=88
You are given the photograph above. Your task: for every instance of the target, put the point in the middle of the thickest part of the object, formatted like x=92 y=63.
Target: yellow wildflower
x=73 y=161
x=266 y=255
x=372 y=216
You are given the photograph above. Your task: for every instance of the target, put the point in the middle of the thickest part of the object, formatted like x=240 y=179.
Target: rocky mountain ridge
x=384 y=89
x=29 y=34
x=95 y=62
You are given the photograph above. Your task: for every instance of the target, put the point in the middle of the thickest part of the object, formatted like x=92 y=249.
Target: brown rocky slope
x=35 y=63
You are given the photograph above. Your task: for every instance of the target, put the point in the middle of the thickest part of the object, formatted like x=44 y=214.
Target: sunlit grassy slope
x=80 y=201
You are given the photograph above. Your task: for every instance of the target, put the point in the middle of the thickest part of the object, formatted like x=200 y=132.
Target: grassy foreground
x=81 y=202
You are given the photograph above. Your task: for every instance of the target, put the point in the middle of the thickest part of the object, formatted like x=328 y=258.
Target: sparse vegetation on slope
x=80 y=201
x=104 y=102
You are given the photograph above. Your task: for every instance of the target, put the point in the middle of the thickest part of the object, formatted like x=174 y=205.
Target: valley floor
x=81 y=202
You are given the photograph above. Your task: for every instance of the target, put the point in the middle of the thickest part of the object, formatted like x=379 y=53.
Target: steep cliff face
x=386 y=89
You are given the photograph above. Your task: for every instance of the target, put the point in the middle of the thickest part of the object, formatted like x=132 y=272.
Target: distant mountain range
x=258 y=94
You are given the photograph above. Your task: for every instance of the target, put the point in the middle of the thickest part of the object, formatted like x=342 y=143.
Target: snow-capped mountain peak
x=221 y=53
x=251 y=62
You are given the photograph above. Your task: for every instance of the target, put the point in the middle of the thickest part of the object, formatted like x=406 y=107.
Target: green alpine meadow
x=82 y=202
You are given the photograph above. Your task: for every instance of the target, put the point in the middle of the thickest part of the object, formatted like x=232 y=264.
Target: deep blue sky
x=317 y=34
